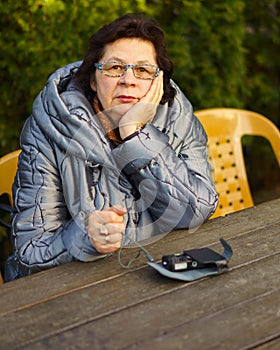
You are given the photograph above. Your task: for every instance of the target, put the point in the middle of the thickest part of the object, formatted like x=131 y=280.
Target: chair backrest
x=8 y=168
x=225 y=128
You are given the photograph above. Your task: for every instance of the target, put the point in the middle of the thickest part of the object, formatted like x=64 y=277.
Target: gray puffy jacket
x=69 y=168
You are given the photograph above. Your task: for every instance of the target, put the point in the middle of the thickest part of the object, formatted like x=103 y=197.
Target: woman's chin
x=116 y=112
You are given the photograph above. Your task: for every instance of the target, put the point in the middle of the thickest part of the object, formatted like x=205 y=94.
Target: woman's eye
x=117 y=67
x=141 y=69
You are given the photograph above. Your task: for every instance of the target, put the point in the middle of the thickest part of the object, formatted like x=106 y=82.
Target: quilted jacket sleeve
x=177 y=189
x=44 y=234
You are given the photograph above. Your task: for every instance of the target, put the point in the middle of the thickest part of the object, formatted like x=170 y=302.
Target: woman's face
x=120 y=93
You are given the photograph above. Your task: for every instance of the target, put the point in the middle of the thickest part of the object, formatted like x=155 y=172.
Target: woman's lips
x=126 y=99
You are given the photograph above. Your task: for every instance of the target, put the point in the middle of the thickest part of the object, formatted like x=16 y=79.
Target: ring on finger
x=103 y=230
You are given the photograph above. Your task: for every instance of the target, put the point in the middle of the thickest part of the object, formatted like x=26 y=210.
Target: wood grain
x=102 y=306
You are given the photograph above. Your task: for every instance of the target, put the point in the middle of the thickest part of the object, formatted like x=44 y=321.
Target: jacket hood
x=66 y=117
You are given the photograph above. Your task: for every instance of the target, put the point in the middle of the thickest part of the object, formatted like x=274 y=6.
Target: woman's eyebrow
x=114 y=58
x=118 y=59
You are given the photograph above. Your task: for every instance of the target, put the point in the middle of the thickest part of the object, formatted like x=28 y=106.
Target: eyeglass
x=118 y=69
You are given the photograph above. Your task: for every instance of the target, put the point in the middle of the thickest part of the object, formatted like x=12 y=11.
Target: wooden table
x=103 y=306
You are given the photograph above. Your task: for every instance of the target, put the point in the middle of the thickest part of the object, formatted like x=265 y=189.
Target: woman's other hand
x=144 y=110
x=105 y=229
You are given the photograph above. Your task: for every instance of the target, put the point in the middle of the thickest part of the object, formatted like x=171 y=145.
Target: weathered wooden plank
x=269 y=344
x=238 y=327
x=217 y=313
x=99 y=303
x=75 y=276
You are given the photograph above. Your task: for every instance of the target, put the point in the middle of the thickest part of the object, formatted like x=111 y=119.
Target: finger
x=108 y=230
x=113 y=239
x=159 y=88
x=108 y=244
x=119 y=210
x=155 y=92
x=114 y=228
x=105 y=216
x=106 y=249
x=103 y=230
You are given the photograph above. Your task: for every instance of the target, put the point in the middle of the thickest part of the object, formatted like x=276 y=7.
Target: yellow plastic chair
x=8 y=168
x=225 y=128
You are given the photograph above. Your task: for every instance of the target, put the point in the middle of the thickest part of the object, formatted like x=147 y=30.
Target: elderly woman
x=112 y=154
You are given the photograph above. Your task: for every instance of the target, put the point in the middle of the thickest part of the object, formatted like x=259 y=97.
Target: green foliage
x=263 y=45
x=224 y=52
x=36 y=38
x=205 y=41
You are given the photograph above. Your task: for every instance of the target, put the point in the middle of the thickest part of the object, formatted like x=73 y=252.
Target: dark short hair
x=127 y=26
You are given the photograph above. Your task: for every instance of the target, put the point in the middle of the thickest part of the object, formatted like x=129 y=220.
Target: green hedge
x=225 y=53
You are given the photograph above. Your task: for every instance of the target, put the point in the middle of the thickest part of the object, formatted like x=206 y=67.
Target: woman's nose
x=128 y=78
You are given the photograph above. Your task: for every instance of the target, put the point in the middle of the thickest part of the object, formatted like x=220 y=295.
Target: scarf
x=112 y=133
